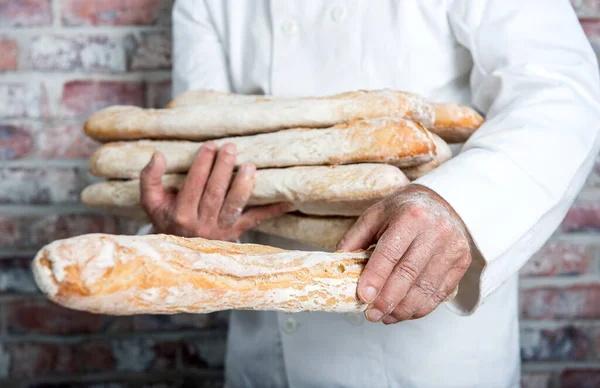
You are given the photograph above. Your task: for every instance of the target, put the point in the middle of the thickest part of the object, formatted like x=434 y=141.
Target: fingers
x=218 y=183
x=188 y=199
x=362 y=233
x=152 y=193
x=445 y=292
x=410 y=282
x=252 y=217
x=238 y=195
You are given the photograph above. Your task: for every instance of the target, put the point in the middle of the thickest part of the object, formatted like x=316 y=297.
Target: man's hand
x=206 y=206
x=422 y=253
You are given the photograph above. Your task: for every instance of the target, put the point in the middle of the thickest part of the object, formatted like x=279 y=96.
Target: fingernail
x=389 y=320
x=368 y=294
x=229 y=148
x=373 y=315
x=211 y=145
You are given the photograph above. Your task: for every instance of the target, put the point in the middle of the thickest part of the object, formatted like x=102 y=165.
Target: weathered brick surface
x=536 y=380
x=27 y=360
x=25 y=13
x=568 y=343
x=110 y=12
x=16 y=276
x=65 y=141
x=41 y=185
x=159 y=94
x=150 y=51
x=206 y=352
x=10 y=231
x=16 y=141
x=97 y=357
x=10 y=54
x=83 y=98
x=45 y=317
x=562 y=258
x=91 y=53
x=19 y=99
x=142 y=354
x=583 y=216
x=579 y=301
x=580 y=378
x=587 y=8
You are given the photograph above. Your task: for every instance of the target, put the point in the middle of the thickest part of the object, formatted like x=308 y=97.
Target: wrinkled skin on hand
x=210 y=204
x=423 y=250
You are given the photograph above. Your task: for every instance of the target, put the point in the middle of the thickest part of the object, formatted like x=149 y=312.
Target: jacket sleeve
x=535 y=77
x=199 y=60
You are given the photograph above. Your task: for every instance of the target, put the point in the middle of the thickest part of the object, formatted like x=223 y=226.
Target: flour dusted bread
x=452 y=122
x=200 y=122
x=399 y=142
x=319 y=232
x=161 y=274
x=443 y=153
x=322 y=190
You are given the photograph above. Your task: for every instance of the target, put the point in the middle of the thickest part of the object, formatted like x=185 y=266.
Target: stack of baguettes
x=332 y=157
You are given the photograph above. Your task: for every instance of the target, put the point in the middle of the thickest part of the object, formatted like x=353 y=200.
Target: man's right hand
x=206 y=205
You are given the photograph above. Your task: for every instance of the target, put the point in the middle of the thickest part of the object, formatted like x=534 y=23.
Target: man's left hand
x=422 y=252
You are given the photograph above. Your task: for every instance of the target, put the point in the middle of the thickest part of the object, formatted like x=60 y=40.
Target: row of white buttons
x=290 y=27
x=290 y=325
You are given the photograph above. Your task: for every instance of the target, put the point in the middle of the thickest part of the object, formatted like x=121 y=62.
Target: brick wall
x=63 y=59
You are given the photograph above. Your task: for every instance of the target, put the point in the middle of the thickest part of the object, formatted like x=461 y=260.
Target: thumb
x=152 y=193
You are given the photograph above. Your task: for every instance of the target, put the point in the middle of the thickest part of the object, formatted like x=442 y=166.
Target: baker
x=471 y=223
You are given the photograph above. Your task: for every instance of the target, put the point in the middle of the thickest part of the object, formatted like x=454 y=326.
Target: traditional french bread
x=399 y=142
x=162 y=274
x=201 y=122
x=319 y=232
x=443 y=153
x=454 y=123
x=322 y=190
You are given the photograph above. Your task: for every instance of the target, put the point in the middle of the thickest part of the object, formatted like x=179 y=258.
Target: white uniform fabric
x=525 y=64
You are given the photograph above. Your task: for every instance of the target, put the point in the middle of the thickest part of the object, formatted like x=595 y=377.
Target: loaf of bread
x=162 y=274
x=322 y=190
x=399 y=142
x=443 y=153
x=318 y=232
x=200 y=122
x=452 y=122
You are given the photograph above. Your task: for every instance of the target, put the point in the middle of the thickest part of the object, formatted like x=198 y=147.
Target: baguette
x=402 y=143
x=319 y=232
x=162 y=274
x=201 y=122
x=452 y=122
x=321 y=190
x=443 y=153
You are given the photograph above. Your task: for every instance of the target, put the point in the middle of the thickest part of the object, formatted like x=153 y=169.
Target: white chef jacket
x=525 y=64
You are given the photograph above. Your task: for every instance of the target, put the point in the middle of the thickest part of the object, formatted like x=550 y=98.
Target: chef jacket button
x=289 y=27
x=338 y=13
x=290 y=325
x=354 y=318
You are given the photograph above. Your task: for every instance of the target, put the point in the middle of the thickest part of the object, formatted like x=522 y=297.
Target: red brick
x=10 y=231
x=151 y=51
x=202 y=353
x=44 y=317
x=110 y=12
x=65 y=141
x=579 y=301
x=47 y=229
x=25 y=13
x=22 y=100
x=83 y=98
x=16 y=276
x=580 y=378
x=140 y=354
x=96 y=357
x=583 y=216
x=560 y=257
x=15 y=142
x=172 y=322
x=29 y=360
x=568 y=343
x=535 y=380
x=10 y=54
x=131 y=227
x=159 y=94
x=96 y=53
x=40 y=185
